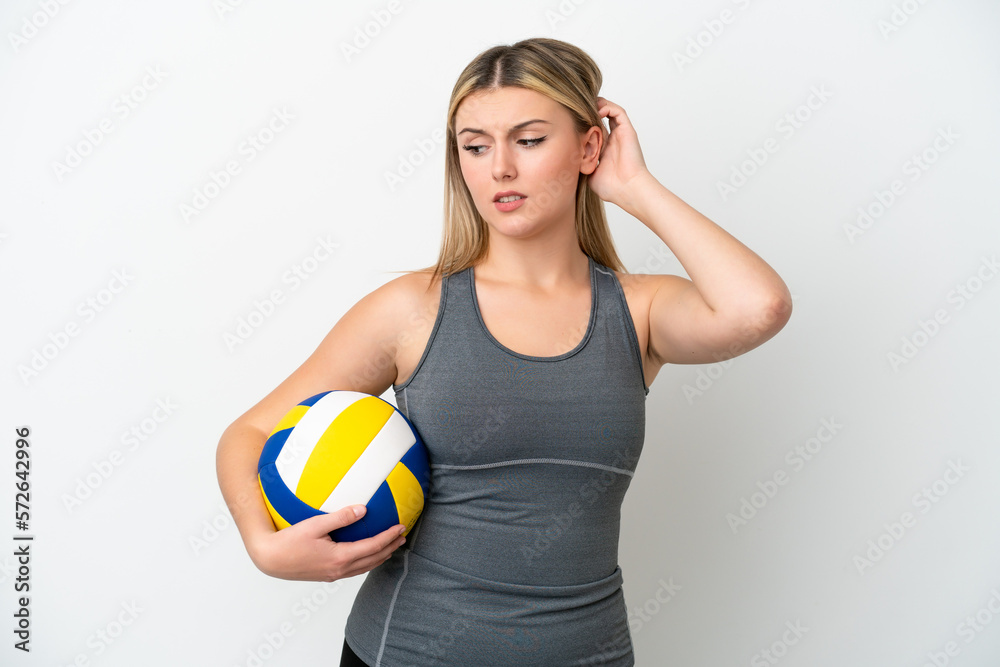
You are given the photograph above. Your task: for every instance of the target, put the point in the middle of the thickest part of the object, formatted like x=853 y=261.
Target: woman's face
x=518 y=140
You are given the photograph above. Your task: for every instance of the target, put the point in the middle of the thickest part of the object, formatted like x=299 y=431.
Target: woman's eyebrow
x=513 y=129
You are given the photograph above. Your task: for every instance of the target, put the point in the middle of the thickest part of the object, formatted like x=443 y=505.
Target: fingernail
x=359 y=510
x=402 y=530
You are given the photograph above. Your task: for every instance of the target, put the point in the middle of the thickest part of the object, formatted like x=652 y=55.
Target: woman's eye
x=527 y=143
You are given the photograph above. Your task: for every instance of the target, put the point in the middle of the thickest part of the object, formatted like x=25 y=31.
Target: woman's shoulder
x=640 y=286
x=416 y=285
x=645 y=285
x=413 y=296
x=411 y=301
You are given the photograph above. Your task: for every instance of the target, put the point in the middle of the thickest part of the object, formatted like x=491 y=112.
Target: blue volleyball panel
x=380 y=515
x=272 y=448
x=311 y=401
x=352 y=533
x=416 y=462
x=282 y=499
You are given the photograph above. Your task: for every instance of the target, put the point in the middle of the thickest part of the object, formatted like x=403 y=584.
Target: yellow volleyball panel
x=407 y=493
x=339 y=448
x=291 y=418
x=279 y=521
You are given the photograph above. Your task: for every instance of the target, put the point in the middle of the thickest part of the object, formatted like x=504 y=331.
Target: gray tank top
x=514 y=560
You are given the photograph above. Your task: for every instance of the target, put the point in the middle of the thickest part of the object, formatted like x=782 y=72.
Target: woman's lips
x=509 y=206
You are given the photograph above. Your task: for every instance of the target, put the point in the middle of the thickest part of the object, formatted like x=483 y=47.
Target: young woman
x=523 y=357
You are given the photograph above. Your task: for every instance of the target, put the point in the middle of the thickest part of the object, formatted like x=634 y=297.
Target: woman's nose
x=503 y=162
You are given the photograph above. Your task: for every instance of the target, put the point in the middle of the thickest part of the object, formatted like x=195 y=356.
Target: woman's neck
x=535 y=268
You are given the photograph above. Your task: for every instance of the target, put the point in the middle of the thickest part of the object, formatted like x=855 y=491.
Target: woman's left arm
x=734 y=300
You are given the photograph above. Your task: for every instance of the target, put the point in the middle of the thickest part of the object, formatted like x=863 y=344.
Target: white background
x=152 y=536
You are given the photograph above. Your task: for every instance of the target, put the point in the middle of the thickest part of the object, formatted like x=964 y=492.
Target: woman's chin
x=514 y=227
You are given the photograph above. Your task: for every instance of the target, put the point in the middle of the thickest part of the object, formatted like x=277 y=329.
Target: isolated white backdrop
x=145 y=567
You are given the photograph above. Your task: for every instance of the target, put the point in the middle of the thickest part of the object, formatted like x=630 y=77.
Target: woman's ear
x=592 y=143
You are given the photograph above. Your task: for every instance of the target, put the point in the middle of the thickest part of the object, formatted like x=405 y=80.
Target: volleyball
x=342 y=448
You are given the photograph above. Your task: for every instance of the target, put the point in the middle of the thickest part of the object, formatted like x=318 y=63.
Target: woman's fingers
x=363 y=555
x=305 y=550
x=325 y=523
x=373 y=545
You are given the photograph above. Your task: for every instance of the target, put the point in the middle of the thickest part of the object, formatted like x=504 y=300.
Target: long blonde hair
x=560 y=71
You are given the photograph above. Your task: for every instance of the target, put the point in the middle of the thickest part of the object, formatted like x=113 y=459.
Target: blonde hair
x=560 y=71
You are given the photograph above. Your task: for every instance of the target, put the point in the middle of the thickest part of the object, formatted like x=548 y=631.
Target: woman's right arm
x=358 y=354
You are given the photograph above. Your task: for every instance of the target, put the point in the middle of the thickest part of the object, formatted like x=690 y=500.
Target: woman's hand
x=305 y=552
x=621 y=160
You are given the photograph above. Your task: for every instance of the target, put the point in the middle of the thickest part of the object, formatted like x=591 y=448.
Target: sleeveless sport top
x=514 y=560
